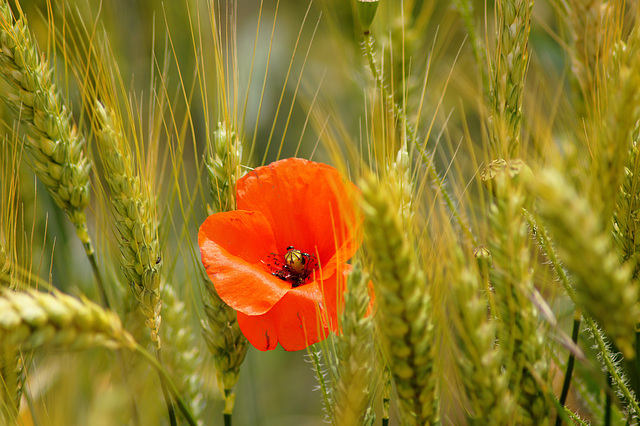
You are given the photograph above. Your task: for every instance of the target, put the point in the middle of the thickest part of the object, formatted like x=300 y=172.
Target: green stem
x=83 y=234
x=229 y=403
x=635 y=370
x=98 y=277
x=545 y=243
x=617 y=377
x=317 y=367
x=607 y=404
x=386 y=396
x=167 y=398
x=569 y=372
x=169 y=383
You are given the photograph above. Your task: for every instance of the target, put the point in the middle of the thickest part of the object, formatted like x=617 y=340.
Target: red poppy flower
x=279 y=260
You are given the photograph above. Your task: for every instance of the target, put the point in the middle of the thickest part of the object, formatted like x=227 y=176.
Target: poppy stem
x=227 y=419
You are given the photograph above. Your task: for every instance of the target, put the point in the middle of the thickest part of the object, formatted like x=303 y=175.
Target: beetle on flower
x=279 y=259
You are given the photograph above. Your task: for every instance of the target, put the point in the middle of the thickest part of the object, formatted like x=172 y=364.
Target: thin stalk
x=545 y=244
x=229 y=402
x=171 y=387
x=96 y=274
x=317 y=367
x=616 y=376
x=569 y=372
x=636 y=371
x=165 y=393
x=386 y=397
x=607 y=404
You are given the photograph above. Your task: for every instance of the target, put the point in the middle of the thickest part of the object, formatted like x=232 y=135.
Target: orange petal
x=296 y=321
x=309 y=206
x=234 y=246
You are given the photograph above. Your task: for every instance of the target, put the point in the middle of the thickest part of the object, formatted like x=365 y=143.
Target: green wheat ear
x=226 y=343
x=507 y=75
x=355 y=352
x=182 y=354
x=33 y=319
x=521 y=340
x=604 y=288
x=135 y=220
x=479 y=358
x=626 y=229
x=220 y=327
x=404 y=315
x=223 y=164
x=55 y=146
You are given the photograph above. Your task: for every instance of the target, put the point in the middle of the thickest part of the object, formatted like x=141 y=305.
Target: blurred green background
x=309 y=59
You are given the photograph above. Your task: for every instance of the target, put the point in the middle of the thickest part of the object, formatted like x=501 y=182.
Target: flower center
x=294 y=266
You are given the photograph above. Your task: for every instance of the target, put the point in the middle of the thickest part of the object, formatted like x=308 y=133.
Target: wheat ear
x=134 y=213
x=55 y=145
x=221 y=331
x=404 y=315
x=31 y=319
x=519 y=336
x=223 y=164
x=626 y=230
x=479 y=359
x=507 y=75
x=355 y=351
x=604 y=288
x=182 y=356
x=613 y=131
x=587 y=21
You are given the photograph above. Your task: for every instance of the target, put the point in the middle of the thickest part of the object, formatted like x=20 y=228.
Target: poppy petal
x=309 y=206
x=234 y=246
x=296 y=321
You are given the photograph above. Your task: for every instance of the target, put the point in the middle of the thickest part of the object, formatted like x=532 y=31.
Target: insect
x=295 y=266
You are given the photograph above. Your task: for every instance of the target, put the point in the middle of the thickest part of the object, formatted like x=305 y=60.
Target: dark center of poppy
x=294 y=266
